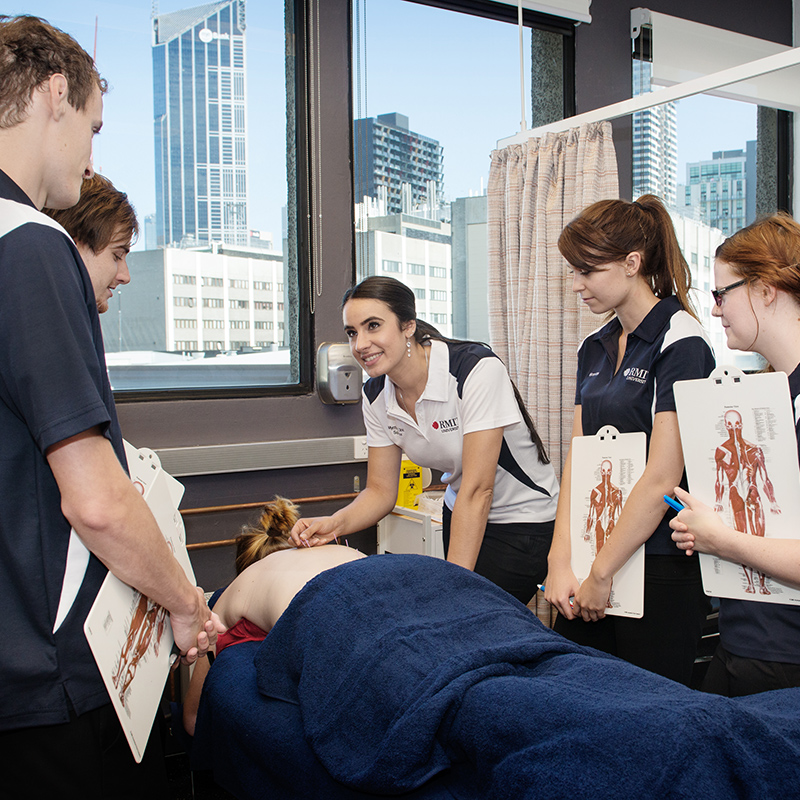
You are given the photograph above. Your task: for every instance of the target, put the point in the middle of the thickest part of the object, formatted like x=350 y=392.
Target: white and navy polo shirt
x=669 y=345
x=53 y=385
x=468 y=390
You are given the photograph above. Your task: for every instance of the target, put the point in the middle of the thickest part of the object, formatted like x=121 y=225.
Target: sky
x=454 y=76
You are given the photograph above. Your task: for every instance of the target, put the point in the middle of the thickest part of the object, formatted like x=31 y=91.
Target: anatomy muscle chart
x=604 y=469
x=130 y=635
x=739 y=445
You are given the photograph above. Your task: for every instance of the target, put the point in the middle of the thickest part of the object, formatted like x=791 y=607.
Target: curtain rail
x=706 y=83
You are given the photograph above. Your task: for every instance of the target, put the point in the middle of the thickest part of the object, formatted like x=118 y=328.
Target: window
x=187 y=129
x=280 y=306
x=185 y=323
x=239 y=324
x=262 y=305
x=420 y=171
x=713 y=150
x=214 y=324
x=261 y=325
x=239 y=304
x=438 y=294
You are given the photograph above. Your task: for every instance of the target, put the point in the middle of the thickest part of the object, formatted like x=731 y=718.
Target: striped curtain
x=536 y=322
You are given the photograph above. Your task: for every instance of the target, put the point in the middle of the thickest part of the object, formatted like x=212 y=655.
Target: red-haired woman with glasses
x=757 y=273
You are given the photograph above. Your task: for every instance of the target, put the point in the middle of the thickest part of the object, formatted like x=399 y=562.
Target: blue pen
x=672 y=503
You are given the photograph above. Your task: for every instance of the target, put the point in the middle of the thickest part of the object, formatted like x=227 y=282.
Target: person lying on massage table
x=270 y=573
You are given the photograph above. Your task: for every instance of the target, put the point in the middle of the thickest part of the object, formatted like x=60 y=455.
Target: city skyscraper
x=655 y=143
x=388 y=154
x=721 y=191
x=402 y=228
x=199 y=116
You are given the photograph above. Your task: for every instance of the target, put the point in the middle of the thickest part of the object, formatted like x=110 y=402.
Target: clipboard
x=605 y=467
x=740 y=449
x=130 y=636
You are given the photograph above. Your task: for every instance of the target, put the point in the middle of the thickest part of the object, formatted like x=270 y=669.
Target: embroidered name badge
x=397 y=431
x=636 y=374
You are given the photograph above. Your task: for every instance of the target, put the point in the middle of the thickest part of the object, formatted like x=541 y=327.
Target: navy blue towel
x=407 y=675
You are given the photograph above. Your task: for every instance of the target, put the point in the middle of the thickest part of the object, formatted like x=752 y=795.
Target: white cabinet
x=406 y=530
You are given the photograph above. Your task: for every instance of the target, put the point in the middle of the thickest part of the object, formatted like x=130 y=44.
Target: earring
x=408 y=347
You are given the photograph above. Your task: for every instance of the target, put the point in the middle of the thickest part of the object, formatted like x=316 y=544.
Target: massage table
x=406 y=675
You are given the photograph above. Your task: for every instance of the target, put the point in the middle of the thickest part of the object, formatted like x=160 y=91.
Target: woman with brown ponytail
x=625 y=259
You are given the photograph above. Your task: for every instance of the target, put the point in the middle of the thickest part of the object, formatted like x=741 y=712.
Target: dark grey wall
x=603 y=50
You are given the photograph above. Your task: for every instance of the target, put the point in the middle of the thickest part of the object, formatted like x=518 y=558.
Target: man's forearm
x=114 y=522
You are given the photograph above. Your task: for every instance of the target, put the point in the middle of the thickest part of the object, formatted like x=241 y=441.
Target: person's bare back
x=264 y=590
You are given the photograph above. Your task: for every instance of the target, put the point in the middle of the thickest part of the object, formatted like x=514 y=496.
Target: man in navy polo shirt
x=69 y=510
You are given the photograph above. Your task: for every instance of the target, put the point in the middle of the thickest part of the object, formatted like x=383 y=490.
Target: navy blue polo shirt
x=764 y=631
x=53 y=385
x=668 y=345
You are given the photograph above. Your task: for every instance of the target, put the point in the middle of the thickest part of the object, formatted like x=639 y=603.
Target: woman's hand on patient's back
x=312 y=531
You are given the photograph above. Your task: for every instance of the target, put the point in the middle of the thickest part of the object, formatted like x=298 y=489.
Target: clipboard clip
x=729 y=374
x=607 y=432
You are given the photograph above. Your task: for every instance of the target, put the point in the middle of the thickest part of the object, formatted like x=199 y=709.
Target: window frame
x=297 y=92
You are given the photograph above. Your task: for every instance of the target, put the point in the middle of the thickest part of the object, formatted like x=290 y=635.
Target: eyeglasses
x=719 y=294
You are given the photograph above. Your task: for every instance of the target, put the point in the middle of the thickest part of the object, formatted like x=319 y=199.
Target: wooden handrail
x=188 y=512
x=211 y=545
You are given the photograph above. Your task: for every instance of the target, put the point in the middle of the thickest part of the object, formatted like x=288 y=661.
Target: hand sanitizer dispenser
x=338 y=374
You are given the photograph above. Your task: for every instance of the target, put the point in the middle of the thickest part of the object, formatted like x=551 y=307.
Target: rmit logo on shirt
x=445 y=425
x=636 y=374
